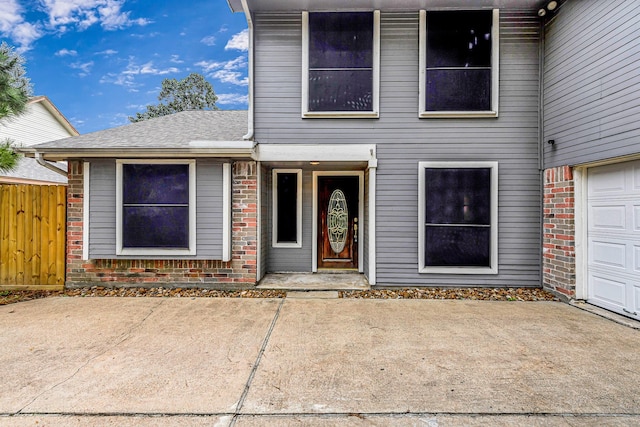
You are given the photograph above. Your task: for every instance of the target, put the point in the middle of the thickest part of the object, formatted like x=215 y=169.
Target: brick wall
x=239 y=272
x=559 y=254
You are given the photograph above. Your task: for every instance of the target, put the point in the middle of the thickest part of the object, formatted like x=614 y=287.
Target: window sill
x=458 y=270
x=341 y=115
x=457 y=114
x=287 y=245
x=155 y=252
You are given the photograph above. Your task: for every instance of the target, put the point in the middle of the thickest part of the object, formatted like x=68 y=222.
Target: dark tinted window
x=155 y=211
x=458 y=217
x=458 y=74
x=340 y=61
x=287 y=207
x=459 y=39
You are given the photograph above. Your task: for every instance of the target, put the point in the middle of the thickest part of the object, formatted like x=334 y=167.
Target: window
x=155 y=207
x=287 y=208
x=459 y=58
x=340 y=55
x=458 y=218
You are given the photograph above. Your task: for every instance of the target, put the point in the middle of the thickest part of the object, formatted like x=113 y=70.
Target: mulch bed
x=487 y=294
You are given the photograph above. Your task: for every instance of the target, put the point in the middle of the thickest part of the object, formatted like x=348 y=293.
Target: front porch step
x=315 y=282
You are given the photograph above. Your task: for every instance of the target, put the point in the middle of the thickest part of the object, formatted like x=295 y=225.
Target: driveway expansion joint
x=256 y=364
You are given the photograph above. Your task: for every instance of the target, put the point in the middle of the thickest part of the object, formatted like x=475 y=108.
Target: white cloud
x=13 y=25
x=239 y=41
x=24 y=34
x=176 y=59
x=118 y=119
x=226 y=71
x=85 y=13
x=209 y=40
x=232 y=98
x=148 y=68
x=137 y=107
x=66 y=52
x=84 y=67
x=10 y=15
x=106 y=52
x=127 y=77
x=62 y=16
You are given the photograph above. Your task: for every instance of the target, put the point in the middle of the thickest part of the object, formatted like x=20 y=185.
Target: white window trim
x=274 y=229
x=375 y=113
x=227 y=212
x=493 y=268
x=86 y=185
x=192 y=211
x=495 y=74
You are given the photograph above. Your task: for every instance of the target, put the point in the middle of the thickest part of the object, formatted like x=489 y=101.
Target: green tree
x=15 y=89
x=191 y=93
x=8 y=157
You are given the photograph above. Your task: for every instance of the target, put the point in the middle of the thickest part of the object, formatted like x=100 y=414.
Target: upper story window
x=341 y=57
x=459 y=61
x=156 y=207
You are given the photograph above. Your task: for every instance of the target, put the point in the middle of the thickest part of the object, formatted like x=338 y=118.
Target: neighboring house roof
x=182 y=134
x=41 y=122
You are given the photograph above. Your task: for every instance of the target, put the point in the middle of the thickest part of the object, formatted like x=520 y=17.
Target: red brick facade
x=241 y=271
x=559 y=256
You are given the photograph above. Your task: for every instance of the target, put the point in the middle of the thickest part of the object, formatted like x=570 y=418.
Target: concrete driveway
x=318 y=362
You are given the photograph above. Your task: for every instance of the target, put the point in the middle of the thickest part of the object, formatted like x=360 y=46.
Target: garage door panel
x=609 y=254
x=613 y=237
x=608 y=217
x=607 y=180
x=636 y=178
x=608 y=291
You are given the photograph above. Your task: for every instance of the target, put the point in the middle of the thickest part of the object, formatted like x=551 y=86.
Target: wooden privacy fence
x=32 y=236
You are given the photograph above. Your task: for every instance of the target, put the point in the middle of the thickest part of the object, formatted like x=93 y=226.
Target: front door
x=338 y=222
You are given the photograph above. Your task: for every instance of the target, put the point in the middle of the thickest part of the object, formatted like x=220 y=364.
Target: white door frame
x=580 y=210
x=314 y=210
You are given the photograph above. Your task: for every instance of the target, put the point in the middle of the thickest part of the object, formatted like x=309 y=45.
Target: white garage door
x=614 y=237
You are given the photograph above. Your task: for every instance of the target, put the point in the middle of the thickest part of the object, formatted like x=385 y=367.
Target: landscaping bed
x=488 y=294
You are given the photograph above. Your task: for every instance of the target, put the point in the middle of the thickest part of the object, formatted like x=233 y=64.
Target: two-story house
x=414 y=142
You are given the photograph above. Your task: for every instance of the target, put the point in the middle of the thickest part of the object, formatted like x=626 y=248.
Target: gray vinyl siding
x=403 y=140
x=102 y=212
x=293 y=259
x=102 y=209
x=592 y=82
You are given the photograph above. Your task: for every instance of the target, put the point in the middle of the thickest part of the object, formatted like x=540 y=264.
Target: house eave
x=216 y=149
x=384 y=5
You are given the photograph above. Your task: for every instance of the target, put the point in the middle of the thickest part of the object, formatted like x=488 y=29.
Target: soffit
x=385 y=5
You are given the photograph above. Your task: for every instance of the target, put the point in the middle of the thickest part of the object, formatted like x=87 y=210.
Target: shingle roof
x=172 y=131
x=29 y=169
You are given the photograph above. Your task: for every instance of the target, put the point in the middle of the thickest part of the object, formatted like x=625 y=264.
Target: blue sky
x=100 y=61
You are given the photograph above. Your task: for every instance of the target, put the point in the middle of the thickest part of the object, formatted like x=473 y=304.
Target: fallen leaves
x=488 y=294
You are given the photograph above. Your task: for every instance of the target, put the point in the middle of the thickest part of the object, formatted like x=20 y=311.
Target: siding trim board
x=85 y=213
x=226 y=212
